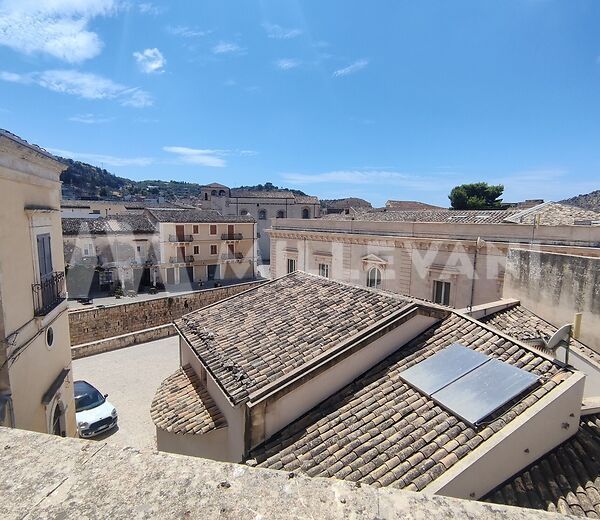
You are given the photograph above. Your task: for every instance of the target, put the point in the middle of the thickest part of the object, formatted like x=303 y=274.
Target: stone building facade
x=264 y=206
x=199 y=246
x=36 y=381
x=452 y=258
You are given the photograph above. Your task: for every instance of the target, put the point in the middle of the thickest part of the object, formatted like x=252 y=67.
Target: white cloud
x=206 y=157
x=150 y=8
x=226 y=48
x=351 y=69
x=185 y=32
x=287 y=64
x=90 y=119
x=210 y=158
x=101 y=159
x=58 y=28
x=280 y=33
x=84 y=85
x=150 y=61
x=230 y=83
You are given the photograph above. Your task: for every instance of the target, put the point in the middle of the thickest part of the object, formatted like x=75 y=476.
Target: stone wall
x=555 y=287
x=92 y=325
x=51 y=477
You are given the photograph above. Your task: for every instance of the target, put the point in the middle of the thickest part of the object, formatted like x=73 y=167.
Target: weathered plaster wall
x=99 y=323
x=555 y=286
x=48 y=477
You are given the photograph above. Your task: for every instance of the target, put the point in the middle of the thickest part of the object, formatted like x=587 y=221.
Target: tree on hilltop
x=479 y=195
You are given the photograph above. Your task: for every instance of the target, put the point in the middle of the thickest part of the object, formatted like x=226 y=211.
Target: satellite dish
x=559 y=338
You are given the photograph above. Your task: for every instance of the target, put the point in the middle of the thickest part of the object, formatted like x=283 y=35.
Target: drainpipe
x=478 y=245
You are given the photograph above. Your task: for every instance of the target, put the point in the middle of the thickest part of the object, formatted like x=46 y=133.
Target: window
x=305 y=213
x=280 y=214
x=195 y=229
x=214 y=192
x=374 y=278
x=244 y=212
x=441 y=292
x=213 y=249
x=88 y=250
x=206 y=196
x=324 y=270
x=291 y=265
x=44 y=256
x=138 y=249
x=222 y=193
x=262 y=214
x=213 y=229
x=196 y=250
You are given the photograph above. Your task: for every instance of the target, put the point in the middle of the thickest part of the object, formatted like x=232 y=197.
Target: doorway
x=180 y=233
x=212 y=271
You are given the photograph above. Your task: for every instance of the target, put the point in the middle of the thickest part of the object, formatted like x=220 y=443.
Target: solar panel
x=481 y=392
x=442 y=368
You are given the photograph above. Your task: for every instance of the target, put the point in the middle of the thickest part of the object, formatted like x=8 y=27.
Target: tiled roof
x=566 y=480
x=409 y=205
x=183 y=405
x=378 y=430
x=301 y=199
x=431 y=215
x=271 y=194
x=114 y=224
x=23 y=142
x=555 y=214
x=260 y=335
x=190 y=216
x=522 y=324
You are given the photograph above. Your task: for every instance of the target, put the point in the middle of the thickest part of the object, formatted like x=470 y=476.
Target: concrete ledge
x=122 y=341
x=47 y=477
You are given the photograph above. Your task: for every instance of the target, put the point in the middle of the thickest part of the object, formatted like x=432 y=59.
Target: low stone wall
x=556 y=286
x=92 y=325
x=122 y=341
x=45 y=476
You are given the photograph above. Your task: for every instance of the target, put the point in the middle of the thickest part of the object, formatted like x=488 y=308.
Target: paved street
x=130 y=377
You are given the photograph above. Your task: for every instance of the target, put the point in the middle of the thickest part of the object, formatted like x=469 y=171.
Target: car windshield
x=87 y=397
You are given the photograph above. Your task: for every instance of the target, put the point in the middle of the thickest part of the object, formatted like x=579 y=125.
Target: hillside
x=84 y=181
x=340 y=204
x=587 y=201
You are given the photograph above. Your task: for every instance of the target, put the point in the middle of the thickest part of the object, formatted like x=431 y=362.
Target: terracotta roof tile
x=189 y=216
x=565 y=480
x=387 y=433
x=182 y=405
x=260 y=335
x=431 y=215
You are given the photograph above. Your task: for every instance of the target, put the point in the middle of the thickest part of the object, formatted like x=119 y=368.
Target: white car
x=94 y=414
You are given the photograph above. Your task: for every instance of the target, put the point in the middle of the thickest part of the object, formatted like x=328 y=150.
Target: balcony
x=180 y=238
x=48 y=293
x=232 y=256
x=232 y=236
x=181 y=259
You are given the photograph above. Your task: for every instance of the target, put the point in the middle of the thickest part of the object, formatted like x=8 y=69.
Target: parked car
x=94 y=414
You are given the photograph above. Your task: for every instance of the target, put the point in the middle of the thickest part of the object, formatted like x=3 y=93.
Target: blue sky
x=384 y=99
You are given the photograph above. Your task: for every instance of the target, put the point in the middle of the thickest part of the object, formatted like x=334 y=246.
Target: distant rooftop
x=189 y=216
x=113 y=224
x=409 y=205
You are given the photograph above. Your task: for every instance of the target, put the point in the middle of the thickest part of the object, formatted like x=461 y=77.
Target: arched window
x=374 y=278
x=214 y=192
x=280 y=214
x=221 y=193
x=305 y=213
x=262 y=214
x=244 y=212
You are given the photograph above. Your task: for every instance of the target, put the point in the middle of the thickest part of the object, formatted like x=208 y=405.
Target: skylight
x=467 y=383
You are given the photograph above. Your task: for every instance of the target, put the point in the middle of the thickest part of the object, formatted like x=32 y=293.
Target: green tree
x=479 y=195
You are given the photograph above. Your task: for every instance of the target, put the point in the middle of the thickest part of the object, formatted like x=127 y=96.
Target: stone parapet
x=50 y=477
x=92 y=325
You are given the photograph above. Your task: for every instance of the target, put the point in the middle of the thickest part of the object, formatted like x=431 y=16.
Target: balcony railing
x=232 y=236
x=232 y=256
x=180 y=238
x=181 y=259
x=48 y=293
